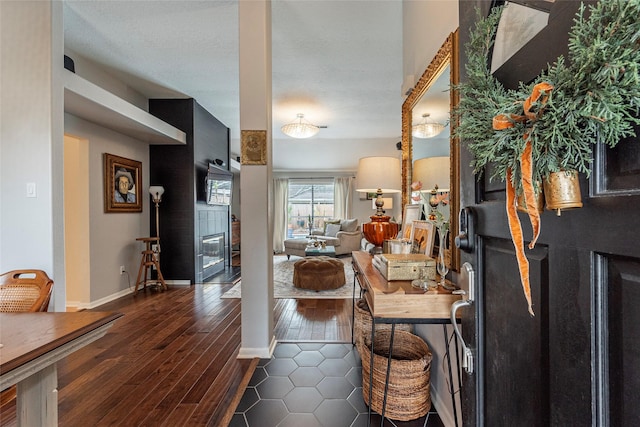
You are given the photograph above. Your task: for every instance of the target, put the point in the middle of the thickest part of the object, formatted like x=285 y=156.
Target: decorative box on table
x=405 y=266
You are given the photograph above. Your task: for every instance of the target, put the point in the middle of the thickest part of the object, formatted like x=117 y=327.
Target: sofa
x=344 y=235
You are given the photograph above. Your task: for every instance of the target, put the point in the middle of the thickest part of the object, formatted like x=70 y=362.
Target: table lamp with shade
x=433 y=173
x=380 y=175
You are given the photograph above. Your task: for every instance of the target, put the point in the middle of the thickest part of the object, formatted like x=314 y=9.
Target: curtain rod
x=320 y=177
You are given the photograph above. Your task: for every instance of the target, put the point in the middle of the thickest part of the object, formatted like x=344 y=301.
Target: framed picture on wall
x=122 y=184
x=410 y=214
x=253 y=146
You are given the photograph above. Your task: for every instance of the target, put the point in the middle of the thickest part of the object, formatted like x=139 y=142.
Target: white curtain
x=280 y=220
x=342 y=198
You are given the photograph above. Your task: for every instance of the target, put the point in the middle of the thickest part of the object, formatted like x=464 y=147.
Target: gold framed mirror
x=444 y=64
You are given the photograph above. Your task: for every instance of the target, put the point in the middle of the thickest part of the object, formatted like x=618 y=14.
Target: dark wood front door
x=577 y=361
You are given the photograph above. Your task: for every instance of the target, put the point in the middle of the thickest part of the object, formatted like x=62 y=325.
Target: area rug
x=283 y=283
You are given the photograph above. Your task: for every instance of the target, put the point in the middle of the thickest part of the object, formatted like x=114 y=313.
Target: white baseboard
x=261 y=352
x=178 y=282
x=77 y=305
x=443 y=406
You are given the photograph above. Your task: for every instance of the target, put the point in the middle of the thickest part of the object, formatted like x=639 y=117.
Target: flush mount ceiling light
x=426 y=129
x=300 y=129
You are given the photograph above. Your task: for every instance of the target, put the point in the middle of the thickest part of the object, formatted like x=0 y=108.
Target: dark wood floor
x=327 y=320
x=171 y=359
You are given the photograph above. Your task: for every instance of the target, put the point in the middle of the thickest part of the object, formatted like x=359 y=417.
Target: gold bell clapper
x=562 y=191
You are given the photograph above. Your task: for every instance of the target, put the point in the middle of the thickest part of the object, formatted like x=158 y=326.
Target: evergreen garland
x=596 y=96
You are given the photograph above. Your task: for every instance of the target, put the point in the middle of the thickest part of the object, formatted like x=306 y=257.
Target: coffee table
x=320 y=251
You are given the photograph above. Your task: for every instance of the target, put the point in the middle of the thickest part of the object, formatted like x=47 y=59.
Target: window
x=310 y=204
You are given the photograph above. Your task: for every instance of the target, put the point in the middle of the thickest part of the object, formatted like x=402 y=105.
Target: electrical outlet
x=122 y=269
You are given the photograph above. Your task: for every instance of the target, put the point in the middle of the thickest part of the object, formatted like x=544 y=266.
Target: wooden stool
x=148 y=261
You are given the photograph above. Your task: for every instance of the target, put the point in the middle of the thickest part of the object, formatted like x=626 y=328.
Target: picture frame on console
x=423 y=236
x=411 y=213
x=122 y=184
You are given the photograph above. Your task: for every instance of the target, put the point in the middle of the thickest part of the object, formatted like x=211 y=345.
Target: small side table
x=147 y=262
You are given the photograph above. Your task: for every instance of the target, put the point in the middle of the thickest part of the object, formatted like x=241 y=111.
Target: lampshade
x=426 y=129
x=156 y=192
x=432 y=171
x=300 y=129
x=379 y=173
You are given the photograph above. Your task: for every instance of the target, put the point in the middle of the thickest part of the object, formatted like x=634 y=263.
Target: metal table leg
x=373 y=329
x=353 y=308
x=451 y=390
x=386 y=380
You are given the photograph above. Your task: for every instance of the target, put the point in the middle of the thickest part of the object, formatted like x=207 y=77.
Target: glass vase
x=441 y=264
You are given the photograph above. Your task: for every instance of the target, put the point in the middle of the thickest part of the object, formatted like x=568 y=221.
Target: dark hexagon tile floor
x=309 y=385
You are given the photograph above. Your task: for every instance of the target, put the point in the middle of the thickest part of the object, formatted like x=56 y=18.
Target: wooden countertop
x=397 y=298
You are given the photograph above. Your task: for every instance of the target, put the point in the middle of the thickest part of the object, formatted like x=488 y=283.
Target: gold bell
x=521 y=203
x=562 y=191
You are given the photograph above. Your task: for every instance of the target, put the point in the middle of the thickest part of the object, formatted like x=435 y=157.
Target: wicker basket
x=362 y=325
x=408 y=395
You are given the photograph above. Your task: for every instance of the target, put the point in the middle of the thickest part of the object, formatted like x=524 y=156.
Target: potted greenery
x=552 y=124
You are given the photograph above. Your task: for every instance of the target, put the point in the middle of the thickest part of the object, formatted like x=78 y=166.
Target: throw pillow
x=329 y=221
x=349 y=224
x=332 y=230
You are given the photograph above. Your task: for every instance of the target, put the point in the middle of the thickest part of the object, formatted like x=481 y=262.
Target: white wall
x=98 y=75
x=418 y=43
x=111 y=235
x=32 y=151
x=418 y=51
x=31 y=108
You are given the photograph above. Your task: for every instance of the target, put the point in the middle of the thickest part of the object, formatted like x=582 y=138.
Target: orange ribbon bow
x=540 y=92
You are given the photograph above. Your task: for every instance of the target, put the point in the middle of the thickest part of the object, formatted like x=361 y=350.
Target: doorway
x=76 y=222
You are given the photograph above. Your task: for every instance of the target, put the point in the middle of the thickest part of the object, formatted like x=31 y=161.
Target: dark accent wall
x=184 y=215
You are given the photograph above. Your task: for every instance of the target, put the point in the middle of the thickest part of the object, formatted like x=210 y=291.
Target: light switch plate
x=31 y=189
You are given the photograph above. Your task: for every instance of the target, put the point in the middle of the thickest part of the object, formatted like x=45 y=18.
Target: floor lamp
x=379 y=175
x=156 y=192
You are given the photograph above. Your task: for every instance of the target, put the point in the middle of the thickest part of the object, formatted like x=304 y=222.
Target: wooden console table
x=32 y=343
x=396 y=302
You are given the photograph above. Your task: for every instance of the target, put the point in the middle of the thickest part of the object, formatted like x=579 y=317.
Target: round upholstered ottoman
x=318 y=273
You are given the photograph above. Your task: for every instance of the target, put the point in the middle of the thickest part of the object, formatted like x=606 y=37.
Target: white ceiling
x=338 y=62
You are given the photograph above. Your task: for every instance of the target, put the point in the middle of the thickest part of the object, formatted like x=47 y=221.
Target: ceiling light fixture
x=426 y=129
x=300 y=129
